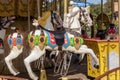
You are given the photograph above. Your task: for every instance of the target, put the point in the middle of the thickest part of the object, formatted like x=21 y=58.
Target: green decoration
x=36 y=40
x=46 y=41
x=72 y=41
x=81 y=40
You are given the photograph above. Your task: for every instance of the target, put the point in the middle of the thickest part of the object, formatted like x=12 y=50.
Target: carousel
x=54 y=43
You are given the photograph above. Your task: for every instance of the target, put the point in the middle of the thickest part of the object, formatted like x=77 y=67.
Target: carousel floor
x=75 y=69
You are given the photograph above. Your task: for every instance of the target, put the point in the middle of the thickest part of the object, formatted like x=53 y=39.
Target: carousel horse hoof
x=96 y=66
x=16 y=74
x=35 y=78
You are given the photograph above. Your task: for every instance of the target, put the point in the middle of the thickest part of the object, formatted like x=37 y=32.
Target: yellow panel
x=104 y=50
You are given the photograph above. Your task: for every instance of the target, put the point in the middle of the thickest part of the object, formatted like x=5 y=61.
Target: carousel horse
x=59 y=40
x=4 y=24
x=15 y=42
x=111 y=32
x=85 y=20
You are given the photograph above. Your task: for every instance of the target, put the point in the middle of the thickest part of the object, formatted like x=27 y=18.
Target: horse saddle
x=59 y=37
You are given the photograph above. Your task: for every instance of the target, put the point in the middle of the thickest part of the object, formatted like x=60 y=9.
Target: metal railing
x=106 y=74
x=11 y=78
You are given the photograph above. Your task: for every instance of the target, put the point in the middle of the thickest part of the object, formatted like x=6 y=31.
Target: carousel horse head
x=111 y=31
x=56 y=20
x=85 y=17
x=5 y=21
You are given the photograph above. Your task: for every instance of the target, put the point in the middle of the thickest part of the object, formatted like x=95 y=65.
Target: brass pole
x=38 y=8
x=41 y=3
x=28 y=15
x=55 y=5
x=102 y=13
x=60 y=2
x=112 y=10
x=65 y=6
x=119 y=27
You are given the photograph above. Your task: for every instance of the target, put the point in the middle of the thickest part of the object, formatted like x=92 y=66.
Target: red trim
x=52 y=39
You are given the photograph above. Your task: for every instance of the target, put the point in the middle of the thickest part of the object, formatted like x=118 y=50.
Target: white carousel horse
x=4 y=24
x=76 y=19
x=15 y=42
x=42 y=39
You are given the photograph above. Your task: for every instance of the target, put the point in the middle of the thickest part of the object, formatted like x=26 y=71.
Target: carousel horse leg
x=81 y=56
x=8 y=60
x=35 y=54
x=84 y=49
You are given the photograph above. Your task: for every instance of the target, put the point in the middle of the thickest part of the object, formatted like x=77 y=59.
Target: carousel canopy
x=82 y=4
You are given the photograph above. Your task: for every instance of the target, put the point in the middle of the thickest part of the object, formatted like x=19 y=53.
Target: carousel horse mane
x=56 y=21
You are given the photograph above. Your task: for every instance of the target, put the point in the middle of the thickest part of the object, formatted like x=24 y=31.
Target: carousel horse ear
x=35 y=23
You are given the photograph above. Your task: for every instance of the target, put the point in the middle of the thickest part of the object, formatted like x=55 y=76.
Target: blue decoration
x=68 y=41
x=9 y=41
x=49 y=41
x=19 y=41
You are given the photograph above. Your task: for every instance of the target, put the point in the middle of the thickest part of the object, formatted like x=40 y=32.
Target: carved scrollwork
x=5 y=1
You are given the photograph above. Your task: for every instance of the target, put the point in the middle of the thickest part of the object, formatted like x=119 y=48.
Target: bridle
x=56 y=20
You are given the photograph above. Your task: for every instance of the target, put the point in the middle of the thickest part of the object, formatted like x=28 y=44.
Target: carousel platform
x=76 y=69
